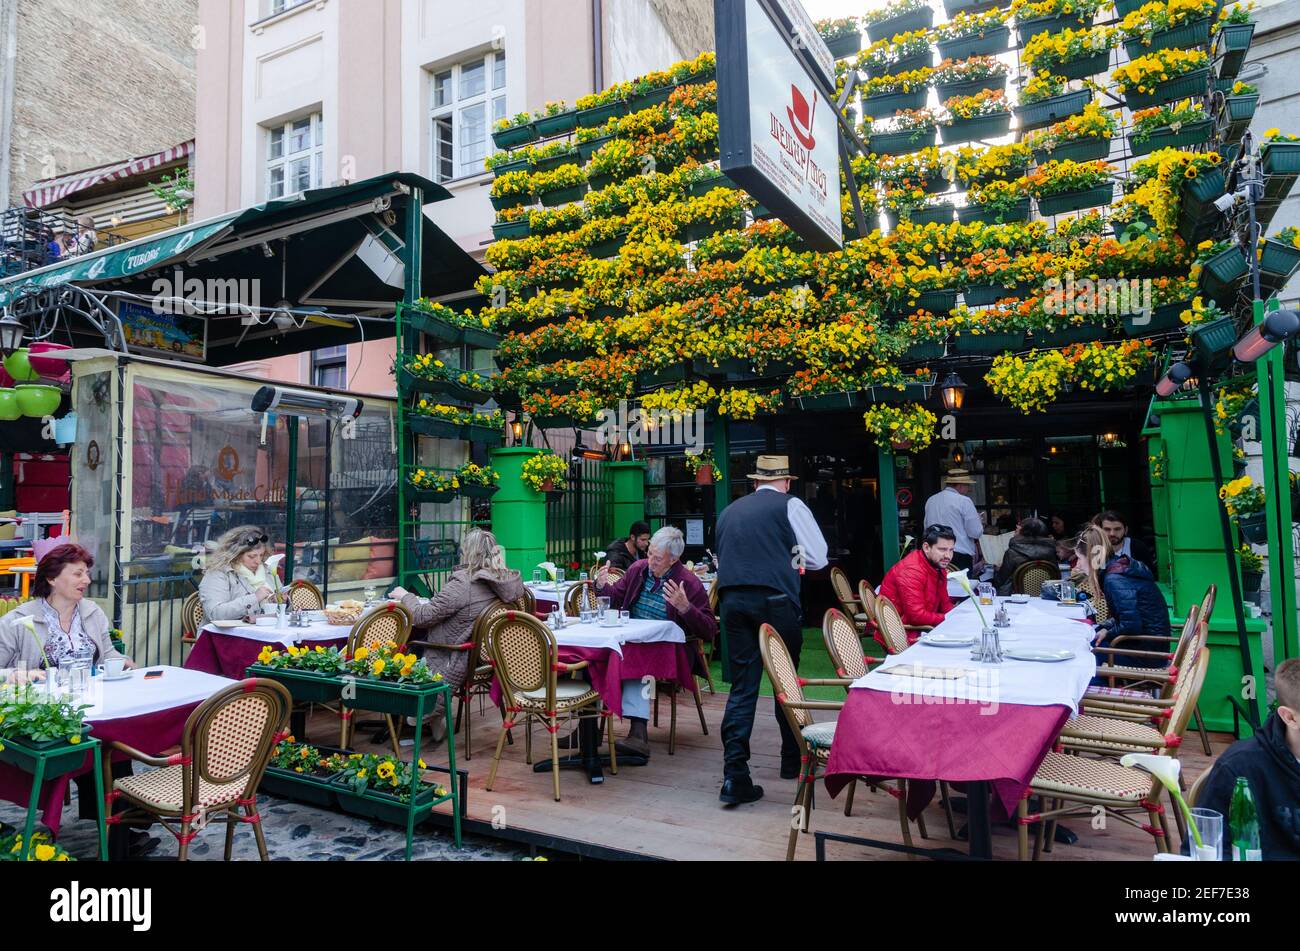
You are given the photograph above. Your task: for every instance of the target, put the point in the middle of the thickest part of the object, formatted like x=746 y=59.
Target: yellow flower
x=362 y=653
x=378 y=667
x=74 y=739
x=43 y=853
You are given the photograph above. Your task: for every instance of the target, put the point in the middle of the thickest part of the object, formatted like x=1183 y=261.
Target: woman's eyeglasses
x=255 y=538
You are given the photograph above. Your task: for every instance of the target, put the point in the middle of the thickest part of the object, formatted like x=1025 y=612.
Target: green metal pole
x=291 y=490
x=721 y=499
x=412 y=255
x=889 y=534
x=1277 y=496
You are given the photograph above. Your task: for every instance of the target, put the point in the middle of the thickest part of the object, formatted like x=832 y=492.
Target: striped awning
x=53 y=190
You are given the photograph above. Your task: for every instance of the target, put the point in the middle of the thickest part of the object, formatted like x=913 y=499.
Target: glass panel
x=443 y=155
x=318 y=170
x=319 y=126
x=498 y=108
x=300 y=135
x=333 y=376
x=275 y=142
x=300 y=175
x=473 y=143
x=442 y=89
x=499 y=71
x=363 y=506
x=275 y=182
x=473 y=79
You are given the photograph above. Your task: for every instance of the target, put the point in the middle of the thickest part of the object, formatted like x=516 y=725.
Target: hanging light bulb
x=953 y=392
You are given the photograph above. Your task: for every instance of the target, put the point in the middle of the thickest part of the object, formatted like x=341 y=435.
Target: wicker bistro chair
x=694 y=645
x=192 y=619
x=526 y=658
x=391 y=623
x=851 y=606
x=891 y=625
x=1073 y=784
x=581 y=595
x=1030 y=576
x=226 y=744
x=867 y=598
x=305 y=596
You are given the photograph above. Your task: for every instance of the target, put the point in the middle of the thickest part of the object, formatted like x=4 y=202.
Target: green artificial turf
x=814 y=664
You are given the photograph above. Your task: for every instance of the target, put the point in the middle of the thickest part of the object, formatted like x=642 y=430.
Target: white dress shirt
x=949 y=507
x=806 y=533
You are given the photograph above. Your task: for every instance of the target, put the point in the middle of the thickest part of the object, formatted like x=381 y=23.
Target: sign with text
x=778 y=129
x=151 y=332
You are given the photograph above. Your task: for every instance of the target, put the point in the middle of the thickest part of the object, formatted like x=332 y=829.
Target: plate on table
x=947 y=640
x=235 y=623
x=124 y=675
x=1039 y=656
x=1019 y=599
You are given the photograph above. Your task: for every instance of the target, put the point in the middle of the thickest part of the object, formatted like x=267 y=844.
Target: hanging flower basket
x=1241 y=108
x=1233 y=44
x=502 y=202
x=969 y=87
x=37 y=400
x=937 y=302
x=921 y=60
x=886 y=104
x=908 y=22
x=1227 y=267
x=1165 y=317
x=924 y=350
x=1253 y=528
x=846 y=45
x=514 y=136
x=1280 y=158
x=828 y=401
x=1028 y=29
x=18 y=366
x=1052 y=109
x=1193 y=133
x=9 y=408
x=562 y=196
x=900 y=143
x=954 y=7
x=989 y=43
x=644 y=100
x=910 y=393
x=556 y=125
x=981 y=127
x=551 y=162
x=478 y=491
x=972 y=213
x=607 y=248
x=514 y=165
x=1188 y=86
x=597 y=116
x=1279 y=258
x=1075 y=333
x=1078 y=150
x=590 y=147
x=1085 y=67
x=429 y=496
x=506 y=230
x=987 y=344
x=431 y=426
x=704 y=475
x=1075 y=201
x=1183 y=36
x=978 y=295
x=1215 y=336
x=1204 y=189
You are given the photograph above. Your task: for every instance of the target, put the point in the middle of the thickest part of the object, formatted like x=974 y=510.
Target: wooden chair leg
x=528 y=739
x=1049 y=825
x=230 y=834
x=902 y=817
x=613 y=750
x=1200 y=728
x=672 y=721
x=699 y=708
x=708 y=672
x=947 y=809
x=1022 y=830
x=554 y=728
x=251 y=811
x=1038 y=835
x=394 y=728
x=496 y=759
x=848 y=800
x=798 y=819
x=183 y=842
x=1162 y=840
x=466 y=703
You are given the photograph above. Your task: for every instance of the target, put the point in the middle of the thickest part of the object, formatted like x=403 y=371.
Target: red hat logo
x=801 y=117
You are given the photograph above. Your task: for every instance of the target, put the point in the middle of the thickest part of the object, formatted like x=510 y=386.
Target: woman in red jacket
x=918 y=584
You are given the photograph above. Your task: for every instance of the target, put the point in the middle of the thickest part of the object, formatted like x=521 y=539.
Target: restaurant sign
x=778 y=129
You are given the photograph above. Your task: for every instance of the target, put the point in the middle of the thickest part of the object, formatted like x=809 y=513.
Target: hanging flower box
x=432 y=496
x=1204 y=188
x=1085 y=67
x=431 y=426
x=607 y=248
x=1241 y=108
x=482 y=339
x=1124 y=7
x=478 y=491
x=487 y=435
x=938 y=301
x=514 y=136
x=938 y=213
x=1192 y=133
x=969 y=87
x=601 y=181
x=1163 y=318
x=1278 y=257
x=697 y=231
x=428 y=324
x=373 y=804
x=502 y=202
x=597 y=116
x=1073 y=333
x=590 y=147
x=558 y=422
x=846 y=45
x=1075 y=201
x=988 y=343
x=706 y=185
x=550 y=162
x=562 y=196
x=989 y=43
x=1028 y=29
x=924 y=350
x=1079 y=150
x=414 y=384
x=908 y=22
x=828 y=401
x=652 y=97
x=1189 y=86
x=507 y=230
x=1232 y=46
x=514 y=165
x=1215 y=336
x=1227 y=267
x=910 y=393
x=1280 y=158
x=648 y=379
x=921 y=60
x=1052 y=109
x=886 y=104
x=954 y=7
x=979 y=128
x=900 y=143
x=729 y=366
x=558 y=124
x=1183 y=36
x=1254 y=528
x=979 y=295
x=972 y=213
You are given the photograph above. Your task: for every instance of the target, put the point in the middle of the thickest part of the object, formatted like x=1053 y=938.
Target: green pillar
x=628 y=505
x=721 y=464
x=1197 y=558
x=889 y=535
x=518 y=512
x=412 y=255
x=1159 y=505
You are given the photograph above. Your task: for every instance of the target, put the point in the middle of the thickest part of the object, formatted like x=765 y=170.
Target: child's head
x=1287 y=682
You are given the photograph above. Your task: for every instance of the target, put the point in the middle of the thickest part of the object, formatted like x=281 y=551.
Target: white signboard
x=806 y=36
x=695 y=531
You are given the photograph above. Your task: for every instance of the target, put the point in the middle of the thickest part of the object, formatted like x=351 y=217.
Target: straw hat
x=772 y=469
x=958 y=477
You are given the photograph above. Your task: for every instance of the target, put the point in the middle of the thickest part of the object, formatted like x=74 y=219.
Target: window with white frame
x=279 y=6
x=329 y=367
x=467 y=99
x=295 y=157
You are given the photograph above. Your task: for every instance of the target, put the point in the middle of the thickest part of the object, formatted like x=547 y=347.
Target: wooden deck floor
x=669 y=808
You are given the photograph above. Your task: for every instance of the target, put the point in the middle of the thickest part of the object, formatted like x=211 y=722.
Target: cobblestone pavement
x=297 y=832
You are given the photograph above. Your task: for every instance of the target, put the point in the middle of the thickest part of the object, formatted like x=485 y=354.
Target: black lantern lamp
x=11 y=333
x=953 y=392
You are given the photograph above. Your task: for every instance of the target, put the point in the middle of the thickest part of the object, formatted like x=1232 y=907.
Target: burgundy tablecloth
x=152 y=734
x=228 y=656
x=875 y=735
x=607 y=670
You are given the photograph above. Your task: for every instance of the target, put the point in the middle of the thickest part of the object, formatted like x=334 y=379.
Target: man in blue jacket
x=1136 y=607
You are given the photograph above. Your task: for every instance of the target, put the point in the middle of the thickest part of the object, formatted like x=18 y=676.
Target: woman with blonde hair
x=236 y=581
x=1092 y=553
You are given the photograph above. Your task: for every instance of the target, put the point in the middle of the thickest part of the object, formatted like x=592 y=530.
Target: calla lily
x=30 y=624
x=549 y=568
x=963 y=578
x=1165 y=769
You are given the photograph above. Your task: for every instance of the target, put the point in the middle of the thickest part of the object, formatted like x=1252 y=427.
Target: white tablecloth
x=1040 y=625
x=576 y=634
x=271 y=634
x=135 y=696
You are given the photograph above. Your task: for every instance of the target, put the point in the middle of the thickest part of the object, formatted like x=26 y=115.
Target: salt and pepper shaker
x=1002 y=618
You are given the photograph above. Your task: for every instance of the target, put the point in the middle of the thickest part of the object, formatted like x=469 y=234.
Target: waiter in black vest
x=764 y=541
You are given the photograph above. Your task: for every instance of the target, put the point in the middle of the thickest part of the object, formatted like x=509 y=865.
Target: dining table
x=933 y=713
x=228 y=648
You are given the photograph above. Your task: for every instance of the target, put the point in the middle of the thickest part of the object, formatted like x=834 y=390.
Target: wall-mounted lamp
x=1177 y=375
x=11 y=333
x=953 y=392
x=1276 y=328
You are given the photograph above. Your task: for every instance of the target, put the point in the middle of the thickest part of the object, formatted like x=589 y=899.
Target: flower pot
x=1076 y=150
x=548 y=486
x=830 y=401
x=37 y=400
x=1071 y=333
x=19 y=367
x=410 y=383
x=1188 y=86
x=1241 y=108
x=556 y=125
x=940 y=213
x=1227 y=267
x=478 y=491
x=1044 y=112
x=515 y=136
x=901 y=445
x=502 y=202
x=599 y=115
x=921 y=19
x=432 y=426
x=1184 y=36
x=44 y=365
x=910 y=393
x=9 y=408
x=1028 y=29
x=1215 y=336
x=509 y=230
x=552 y=162
x=886 y=104
x=562 y=196
x=1279 y=258
x=590 y=147
x=652 y=97
x=1280 y=158
x=1253 y=528
x=699 y=230
x=987 y=343
x=1076 y=200
x=1166 y=137
x=432 y=326
x=1085 y=66
x=978 y=295
x=973 y=213
x=704 y=475
x=1204 y=188
x=900 y=143
x=936 y=302
x=1162 y=318
x=432 y=496
x=971 y=130
x=989 y=43
x=845 y=46
x=954 y=7
x=514 y=165
x=1232 y=46
x=1250 y=582
x=61 y=757
x=921 y=60
x=969 y=87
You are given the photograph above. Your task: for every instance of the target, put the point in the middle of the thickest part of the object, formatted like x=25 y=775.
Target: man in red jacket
x=918 y=584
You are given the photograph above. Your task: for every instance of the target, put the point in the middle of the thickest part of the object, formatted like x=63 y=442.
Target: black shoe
x=142 y=844
x=791 y=770
x=737 y=791
x=1064 y=836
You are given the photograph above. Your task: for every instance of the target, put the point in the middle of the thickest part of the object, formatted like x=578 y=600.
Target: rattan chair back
x=389 y=623
x=479 y=633
x=1207 y=603
x=1032 y=575
x=713 y=597
x=1190 y=635
x=843 y=645
x=231 y=735
x=305 y=596
x=844 y=592
x=192 y=615
x=890 y=624
x=524 y=653
x=785 y=679
x=1187 y=691
x=581 y=595
x=867 y=598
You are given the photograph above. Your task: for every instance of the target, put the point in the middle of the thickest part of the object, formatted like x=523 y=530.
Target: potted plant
x=985 y=332
x=475 y=481
x=1234 y=32
x=985 y=115
x=40 y=848
x=302 y=772
x=898 y=16
x=1252 y=571
x=1160 y=127
x=502 y=163
x=1279 y=154
x=1280 y=254
x=908 y=426
x=905 y=53
x=590 y=141
x=651 y=89
x=425 y=485
x=1159 y=26
x=378 y=786
x=1240 y=102
x=1034 y=17
x=995 y=203
x=514 y=131
x=555 y=118
x=596 y=109
x=424 y=373
x=1044 y=100
x=908 y=131
x=1163 y=76
x=886 y=95
x=969 y=76
x=1080 y=138
x=1218 y=265
x=545 y=472
x=564 y=184
x=973 y=34
x=1067 y=186
x=511 y=223
x=842 y=36
x=701 y=466
x=1073 y=54
x=1244 y=502
x=511 y=190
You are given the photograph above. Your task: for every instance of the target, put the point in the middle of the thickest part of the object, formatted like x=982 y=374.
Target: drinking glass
x=582 y=576
x=602 y=605
x=1068 y=593
x=559 y=577
x=537 y=576
x=1209 y=824
x=985 y=592
x=624 y=617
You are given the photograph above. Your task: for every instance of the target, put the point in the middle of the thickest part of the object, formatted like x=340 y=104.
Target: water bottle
x=1243 y=824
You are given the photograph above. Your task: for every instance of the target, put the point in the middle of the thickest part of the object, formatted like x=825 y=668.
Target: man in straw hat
x=764 y=543
x=952 y=506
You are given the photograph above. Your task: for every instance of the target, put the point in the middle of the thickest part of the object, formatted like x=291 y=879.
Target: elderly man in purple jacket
x=657 y=587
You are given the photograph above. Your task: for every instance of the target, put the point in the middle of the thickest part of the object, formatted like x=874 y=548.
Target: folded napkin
x=924 y=672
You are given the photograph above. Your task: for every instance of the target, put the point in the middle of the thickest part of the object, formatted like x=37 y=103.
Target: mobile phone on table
x=153 y=674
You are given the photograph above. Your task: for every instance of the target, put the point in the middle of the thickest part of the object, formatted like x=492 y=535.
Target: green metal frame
x=43 y=762
x=888 y=508
x=721 y=499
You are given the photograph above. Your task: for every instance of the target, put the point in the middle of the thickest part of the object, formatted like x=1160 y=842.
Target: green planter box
x=305 y=687
x=556 y=125
x=1163 y=318
x=940 y=213
x=314 y=790
x=1202 y=190
x=559 y=422
x=1232 y=47
x=61 y=757
x=515 y=136
x=954 y=7
x=508 y=230
x=1253 y=528
x=373 y=804
x=597 y=116
x=1073 y=333
x=910 y=393
x=502 y=202
x=1279 y=258
x=1078 y=150
x=1075 y=201
x=478 y=491
x=901 y=143
x=429 y=496
x=1124 y=7
x=937 y=302
x=562 y=196
x=936 y=185
x=987 y=344
x=487 y=435
x=969 y=87
x=1028 y=29
x=1241 y=108
x=705 y=229
x=515 y=165
x=590 y=147
x=1280 y=158
x=429 y=426
x=922 y=60
x=707 y=185
x=1053 y=109
x=978 y=295
x=1163 y=138
x=844 y=46
x=1227 y=267
x=829 y=401
x=607 y=248
x=385 y=697
x=1217 y=336
x=971 y=130
x=432 y=326
x=1085 y=67
x=1184 y=36
x=924 y=350
x=973 y=213
x=410 y=383
x=886 y=104
x=552 y=162
x=921 y=19
x=648 y=379
x=652 y=97
x=1192 y=85
x=989 y=43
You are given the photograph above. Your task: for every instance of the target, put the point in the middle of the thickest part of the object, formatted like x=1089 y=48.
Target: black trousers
x=742 y=611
